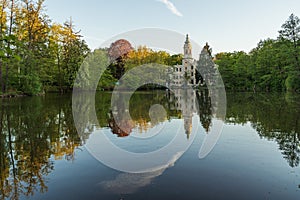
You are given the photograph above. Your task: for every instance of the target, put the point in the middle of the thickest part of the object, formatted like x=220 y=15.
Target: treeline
x=123 y=57
x=36 y=55
x=272 y=66
x=110 y=64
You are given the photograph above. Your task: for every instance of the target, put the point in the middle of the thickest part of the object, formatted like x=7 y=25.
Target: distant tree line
x=272 y=66
x=37 y=55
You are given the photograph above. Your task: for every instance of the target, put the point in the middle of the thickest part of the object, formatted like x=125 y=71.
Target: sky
x=227 y=25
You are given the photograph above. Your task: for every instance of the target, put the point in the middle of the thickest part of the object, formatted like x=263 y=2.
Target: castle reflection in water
x=178 y=103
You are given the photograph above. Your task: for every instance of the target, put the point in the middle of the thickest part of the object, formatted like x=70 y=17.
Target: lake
x=44 y=155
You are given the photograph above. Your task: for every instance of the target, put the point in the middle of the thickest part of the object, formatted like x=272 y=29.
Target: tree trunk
x=1 y=79
x=59 y=74
x=8 y=42
x=1 y=61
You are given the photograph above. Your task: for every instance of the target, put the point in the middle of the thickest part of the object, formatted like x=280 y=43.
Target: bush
x=30 y=84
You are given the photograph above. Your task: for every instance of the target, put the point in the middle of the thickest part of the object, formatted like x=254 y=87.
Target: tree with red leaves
x=118 y=52
x=119 y=49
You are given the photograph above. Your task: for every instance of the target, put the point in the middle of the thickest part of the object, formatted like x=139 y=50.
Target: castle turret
x=187 y=48
x=188 y=63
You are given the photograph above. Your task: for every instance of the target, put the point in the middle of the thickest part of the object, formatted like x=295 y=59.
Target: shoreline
x=14 y=95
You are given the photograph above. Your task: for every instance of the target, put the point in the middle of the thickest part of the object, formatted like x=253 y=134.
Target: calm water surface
x=257 y=156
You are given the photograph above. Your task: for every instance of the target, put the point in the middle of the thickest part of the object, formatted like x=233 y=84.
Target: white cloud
x=171 y=7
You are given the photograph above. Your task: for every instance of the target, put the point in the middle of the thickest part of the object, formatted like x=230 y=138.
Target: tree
x=10 y=39
x=32 y=28
x=118 y=52
x=175 y=59
x=118 y=49
x=74 y=50
x=291 y=33
x=34 y=53
x=3 y=27
x=143 y=55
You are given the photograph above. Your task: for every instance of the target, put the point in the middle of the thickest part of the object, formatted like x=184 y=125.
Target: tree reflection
x=274 y=116
x=204 y=109
x=33 y=132
x=178 y=104
x=139 y=106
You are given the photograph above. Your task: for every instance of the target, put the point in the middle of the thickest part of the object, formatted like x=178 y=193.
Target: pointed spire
x=187 y=47
x=206 y=46
x=187 y=40
x=208 y=49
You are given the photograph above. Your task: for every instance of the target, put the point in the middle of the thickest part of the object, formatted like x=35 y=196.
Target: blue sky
x=227 y=25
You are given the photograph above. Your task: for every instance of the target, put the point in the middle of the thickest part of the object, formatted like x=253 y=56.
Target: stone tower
x=189 y=69
x=187 y=48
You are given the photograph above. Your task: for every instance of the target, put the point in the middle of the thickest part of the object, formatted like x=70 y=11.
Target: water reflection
x=128 y=183
x=150 y=109
x=181 y=104
x=274 y=117
x=39 y=130
x=184 y=103
x=34 y=132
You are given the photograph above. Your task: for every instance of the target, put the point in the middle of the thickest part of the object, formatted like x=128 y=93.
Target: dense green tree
x=95 y=64
x=291 y=33
x=74 y=52
x=31 y=28
x=233 y=68
x=175 y=59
